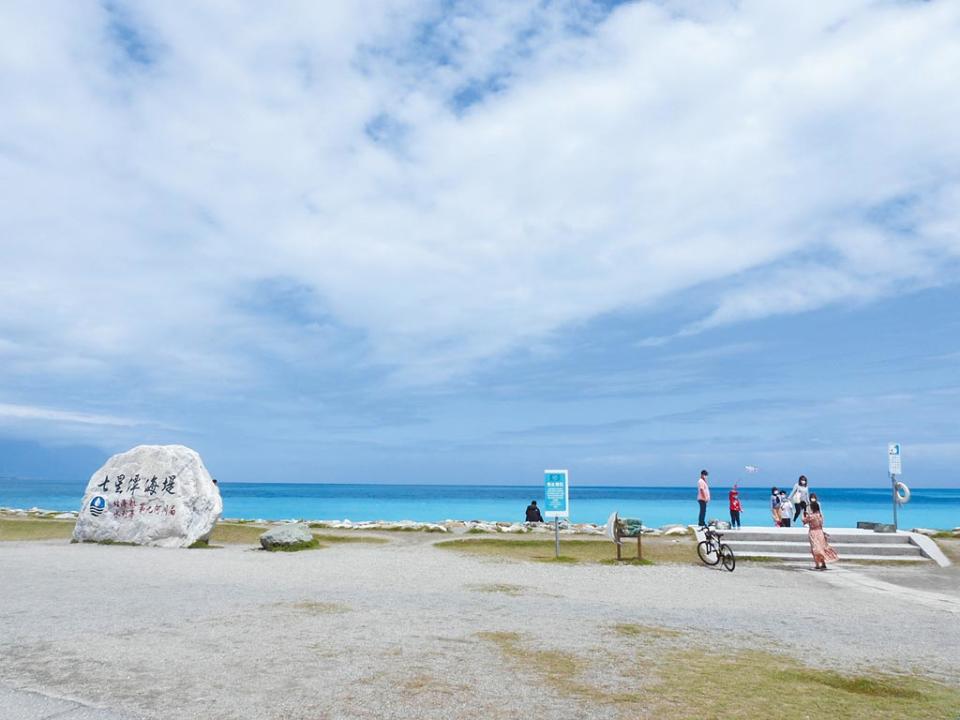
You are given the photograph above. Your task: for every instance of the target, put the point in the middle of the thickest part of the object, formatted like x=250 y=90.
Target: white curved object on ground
x=151 y=495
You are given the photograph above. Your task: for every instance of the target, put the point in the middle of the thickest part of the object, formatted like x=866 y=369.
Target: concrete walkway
x=28 y=705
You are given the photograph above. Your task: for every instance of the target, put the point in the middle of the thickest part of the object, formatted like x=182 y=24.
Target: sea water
x=842 y=507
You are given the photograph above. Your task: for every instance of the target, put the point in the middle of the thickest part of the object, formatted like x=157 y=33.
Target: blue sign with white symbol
x=97 y=506
x=556 y=494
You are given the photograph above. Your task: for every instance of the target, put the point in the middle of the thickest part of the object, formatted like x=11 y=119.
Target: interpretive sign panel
x=556 y=494
x=150 y=495
x=893 y=458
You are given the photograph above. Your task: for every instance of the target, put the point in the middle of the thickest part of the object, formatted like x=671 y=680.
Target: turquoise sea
x=843 y=507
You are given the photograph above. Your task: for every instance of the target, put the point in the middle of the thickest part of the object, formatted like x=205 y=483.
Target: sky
x=461 y=242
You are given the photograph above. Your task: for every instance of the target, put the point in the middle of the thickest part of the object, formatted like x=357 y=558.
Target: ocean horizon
x=843 y=507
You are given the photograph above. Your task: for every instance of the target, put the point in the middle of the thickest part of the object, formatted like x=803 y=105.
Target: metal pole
x=556 y=534
x=893 y=483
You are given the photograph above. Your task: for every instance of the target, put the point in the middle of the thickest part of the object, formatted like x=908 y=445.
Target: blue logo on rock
x=97 y=506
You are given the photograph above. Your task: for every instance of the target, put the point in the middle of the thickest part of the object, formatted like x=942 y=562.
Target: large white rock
x=151 y=495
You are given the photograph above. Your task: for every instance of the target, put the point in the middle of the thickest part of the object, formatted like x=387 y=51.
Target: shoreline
x=449 y=525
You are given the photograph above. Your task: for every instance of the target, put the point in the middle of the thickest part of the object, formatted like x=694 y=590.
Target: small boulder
x=287 y=537
x=515 y=528
x=675 y=530
x=925 y=531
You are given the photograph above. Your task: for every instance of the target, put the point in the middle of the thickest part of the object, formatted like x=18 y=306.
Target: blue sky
x=461 y=242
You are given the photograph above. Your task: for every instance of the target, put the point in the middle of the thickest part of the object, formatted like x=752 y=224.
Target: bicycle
x=713 y=552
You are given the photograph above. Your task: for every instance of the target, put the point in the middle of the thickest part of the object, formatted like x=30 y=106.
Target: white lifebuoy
x=902 y=492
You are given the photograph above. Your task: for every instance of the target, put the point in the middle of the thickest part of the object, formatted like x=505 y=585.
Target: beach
x=400 y=628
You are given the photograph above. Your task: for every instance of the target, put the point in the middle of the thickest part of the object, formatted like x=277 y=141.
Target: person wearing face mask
x=800 y=497
x=786 y=509
x=775 y=505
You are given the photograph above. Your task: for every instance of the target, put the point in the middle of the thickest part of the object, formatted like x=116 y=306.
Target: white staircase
x=850 y=544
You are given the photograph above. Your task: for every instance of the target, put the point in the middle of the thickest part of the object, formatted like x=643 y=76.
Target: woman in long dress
x=819 y=547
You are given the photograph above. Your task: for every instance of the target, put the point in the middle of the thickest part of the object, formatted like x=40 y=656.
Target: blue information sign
x=556 y=494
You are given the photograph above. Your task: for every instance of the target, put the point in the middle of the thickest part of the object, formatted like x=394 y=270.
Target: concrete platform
x=850 y=543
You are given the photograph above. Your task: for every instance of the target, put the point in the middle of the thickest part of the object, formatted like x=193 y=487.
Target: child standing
x=786 y=510
x=775 y=505
x=735 y=507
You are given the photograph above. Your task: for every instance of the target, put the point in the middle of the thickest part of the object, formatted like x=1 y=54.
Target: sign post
x=556 y=500
x=895 y=468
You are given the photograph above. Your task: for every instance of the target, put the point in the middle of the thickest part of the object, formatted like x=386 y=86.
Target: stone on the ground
x=286 y=536
x=158 y=495
x=674 y=530
x=925 y=531
x=515 y=528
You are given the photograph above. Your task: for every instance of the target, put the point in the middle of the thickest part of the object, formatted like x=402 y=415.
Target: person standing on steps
x=786 y=509
x=775 y=505
x=819 y=545
x=800 y=497
x=703 y=497
x=533 y=512
x=735 y=508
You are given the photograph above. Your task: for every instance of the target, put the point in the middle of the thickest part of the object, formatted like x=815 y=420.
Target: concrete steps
x=850 y=544
x=885 y=551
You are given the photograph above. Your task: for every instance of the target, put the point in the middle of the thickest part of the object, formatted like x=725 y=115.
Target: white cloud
x=27 y=412
x=744 y=154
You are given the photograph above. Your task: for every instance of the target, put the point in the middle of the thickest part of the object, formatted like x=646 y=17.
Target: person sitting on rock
x=533 y=512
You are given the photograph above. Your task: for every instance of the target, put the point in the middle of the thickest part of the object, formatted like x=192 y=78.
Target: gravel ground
x=390 y=631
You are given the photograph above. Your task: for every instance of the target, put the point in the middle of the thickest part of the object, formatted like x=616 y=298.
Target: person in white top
x=800 y=497
x=786 y=510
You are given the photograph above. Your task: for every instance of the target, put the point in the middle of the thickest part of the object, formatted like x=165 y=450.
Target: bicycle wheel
x=708 y=552
x=726 y=555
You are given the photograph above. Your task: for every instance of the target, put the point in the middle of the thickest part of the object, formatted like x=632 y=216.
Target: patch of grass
x=33 y=529
x=760 y=559
x=109 y=542
x=558 y=669
x=236 y=534
x=655 y=550
x=628 y=561
x=502 y=588
x=426 y=683
x=311 y=607
x=203 y=545
x=328 y=538
x=950 y=547
x=738 y=685
x=679 y=683
x=648 y=631
x=478 y=531
x=313 y=544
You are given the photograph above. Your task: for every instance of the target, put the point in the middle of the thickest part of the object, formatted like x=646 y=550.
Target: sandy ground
x=391 y=631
